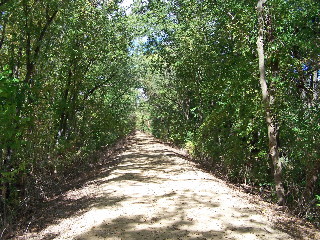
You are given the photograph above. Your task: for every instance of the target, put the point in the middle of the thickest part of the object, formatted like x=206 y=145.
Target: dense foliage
x=205 y=93
x=66 y=89
x=73 y=72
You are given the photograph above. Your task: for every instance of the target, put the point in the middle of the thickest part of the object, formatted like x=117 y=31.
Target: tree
x=268 y=100
x=66 y=90
x=206 y=97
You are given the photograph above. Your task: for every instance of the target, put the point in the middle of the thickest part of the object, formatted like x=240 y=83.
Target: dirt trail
x=153 y=193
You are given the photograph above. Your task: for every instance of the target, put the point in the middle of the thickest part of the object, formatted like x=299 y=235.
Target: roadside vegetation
x=236 y=83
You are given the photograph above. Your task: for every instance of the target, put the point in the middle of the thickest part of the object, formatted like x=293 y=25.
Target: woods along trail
x=154 y=193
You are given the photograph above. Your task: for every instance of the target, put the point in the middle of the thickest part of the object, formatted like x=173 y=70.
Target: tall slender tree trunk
x=267 y=98
x=64 y=109
x=315 y=86
x=5 y=183
x=312 y=175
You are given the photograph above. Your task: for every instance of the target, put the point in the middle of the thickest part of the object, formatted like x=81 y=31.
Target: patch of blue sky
x=137 y=44
x=127 y=5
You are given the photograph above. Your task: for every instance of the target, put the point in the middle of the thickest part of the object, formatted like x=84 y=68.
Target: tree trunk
x=64 y=114
x=267 y=98
x=5 y=183
x=311 y=180
x=315 y=86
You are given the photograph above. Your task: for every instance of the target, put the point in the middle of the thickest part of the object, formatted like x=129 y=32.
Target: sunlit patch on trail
x=153 y=193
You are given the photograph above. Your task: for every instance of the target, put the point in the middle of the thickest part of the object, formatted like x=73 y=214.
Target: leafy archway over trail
x=237 y=84
x=76 y=76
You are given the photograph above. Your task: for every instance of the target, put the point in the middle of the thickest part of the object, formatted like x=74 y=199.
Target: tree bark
x=33 y=50
x=311 y=180
x=266 y=99
x=3 y=32
x=315 y=85
x=64 y=108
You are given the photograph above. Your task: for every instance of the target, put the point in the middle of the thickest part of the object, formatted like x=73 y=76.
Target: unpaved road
x=153 y=193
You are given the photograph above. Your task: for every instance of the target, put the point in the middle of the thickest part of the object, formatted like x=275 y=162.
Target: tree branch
x=114 y=101
x=3 y=34
x=3 y=2
x=97 y=86
x=42 y=34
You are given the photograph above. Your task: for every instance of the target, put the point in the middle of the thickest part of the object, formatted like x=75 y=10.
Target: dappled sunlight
x=154 y=194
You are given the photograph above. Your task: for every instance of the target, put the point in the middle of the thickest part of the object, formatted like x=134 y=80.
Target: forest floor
x=151 y=191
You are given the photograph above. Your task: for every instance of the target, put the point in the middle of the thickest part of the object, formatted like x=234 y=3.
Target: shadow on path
x=150 y=192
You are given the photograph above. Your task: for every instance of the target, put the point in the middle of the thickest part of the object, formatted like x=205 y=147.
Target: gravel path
x=154 y=193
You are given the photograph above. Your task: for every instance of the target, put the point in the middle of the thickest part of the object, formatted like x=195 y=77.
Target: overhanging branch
x=97 y=86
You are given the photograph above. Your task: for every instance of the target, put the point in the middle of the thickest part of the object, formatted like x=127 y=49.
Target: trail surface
x=154 y=193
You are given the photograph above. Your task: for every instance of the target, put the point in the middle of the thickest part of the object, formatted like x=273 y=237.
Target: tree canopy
x=236 y=83
x=204 y=92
